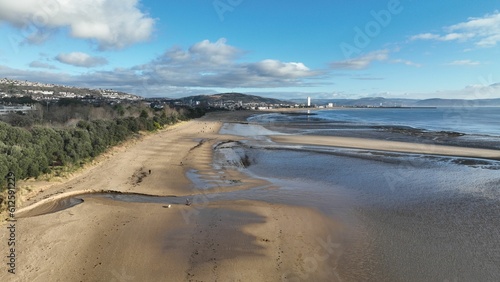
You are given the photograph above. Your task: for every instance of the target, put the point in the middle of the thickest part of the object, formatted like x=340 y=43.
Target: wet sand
x=106 y=240
x=390 y=146
x=212 y=239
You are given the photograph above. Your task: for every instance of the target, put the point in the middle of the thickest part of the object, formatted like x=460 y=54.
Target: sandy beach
x=106 y=240
x=389 y=146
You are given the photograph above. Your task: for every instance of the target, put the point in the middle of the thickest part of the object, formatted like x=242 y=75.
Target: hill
x=232 y=98
x=45 y=91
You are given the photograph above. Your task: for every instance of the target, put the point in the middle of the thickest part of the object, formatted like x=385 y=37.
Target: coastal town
x=46 y=93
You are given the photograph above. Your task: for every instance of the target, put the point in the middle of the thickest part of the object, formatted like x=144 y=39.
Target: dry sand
x=106 y=240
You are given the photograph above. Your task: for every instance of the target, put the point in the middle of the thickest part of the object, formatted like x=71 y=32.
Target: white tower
x=308 y=101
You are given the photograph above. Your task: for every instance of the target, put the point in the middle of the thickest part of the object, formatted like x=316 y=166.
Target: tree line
x=38 y=149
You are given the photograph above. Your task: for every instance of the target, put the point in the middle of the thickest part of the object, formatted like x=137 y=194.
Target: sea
x=467 y=120
x=402 y=217
x=410 y=217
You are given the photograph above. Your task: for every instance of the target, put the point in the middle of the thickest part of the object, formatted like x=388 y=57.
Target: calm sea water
x=479 y=121
x=484 y=121
x=415 y=217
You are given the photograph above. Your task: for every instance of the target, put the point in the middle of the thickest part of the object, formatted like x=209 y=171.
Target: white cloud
x=464 y=63
x=112 y=24
x=79 y=59
x=130 y=81
x=207 y=64
x=363 y=61
x=483 y=31
x=364 y=77
x=476 y=91
x=424 y=36
x=41 y=65
x=446 y=37
x=276 y=68
x=406 y=62
x=215 y=53
x=204 y=66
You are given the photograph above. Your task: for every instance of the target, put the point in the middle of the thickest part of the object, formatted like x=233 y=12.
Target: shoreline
x=312 y=125
x=43 y=189
x=242 y=239
x=207 y=240
x=388 y=146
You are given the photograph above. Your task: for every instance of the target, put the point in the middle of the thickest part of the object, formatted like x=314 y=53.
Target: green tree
x=120 y=110
x=4 y=165
x=77 y=144
x=16 y=135
x=16 y=161
x=121 y=133
x=49 y=143
x=144 y=114
x=33 y=163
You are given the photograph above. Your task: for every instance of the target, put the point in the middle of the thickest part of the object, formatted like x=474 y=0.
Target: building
x=43 y=92
x=14 y=109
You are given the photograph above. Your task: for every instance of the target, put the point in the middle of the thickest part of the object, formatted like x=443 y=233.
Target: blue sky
x=283 y=49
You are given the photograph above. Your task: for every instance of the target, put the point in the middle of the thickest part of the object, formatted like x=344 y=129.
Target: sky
x=326 y=49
